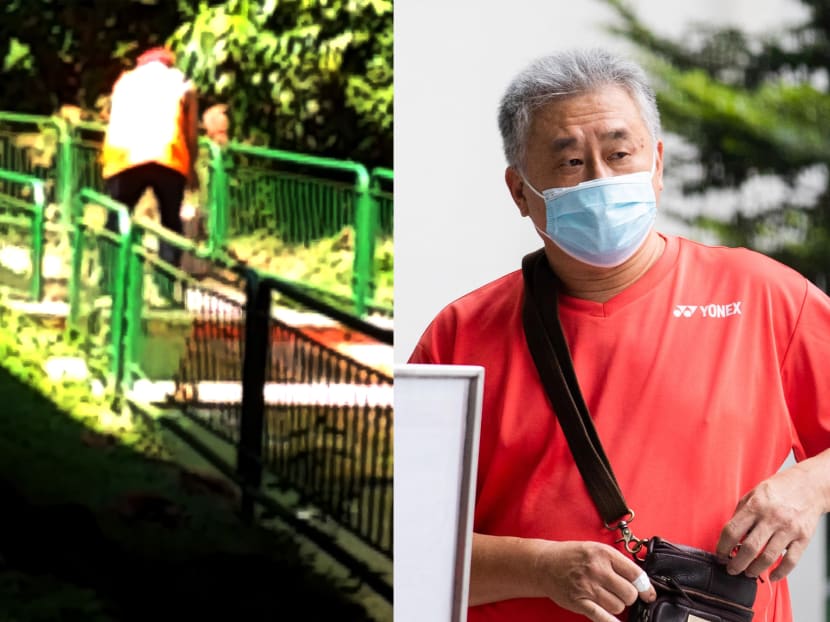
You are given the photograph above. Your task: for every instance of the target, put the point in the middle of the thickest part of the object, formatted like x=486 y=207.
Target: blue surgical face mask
x=601 y=222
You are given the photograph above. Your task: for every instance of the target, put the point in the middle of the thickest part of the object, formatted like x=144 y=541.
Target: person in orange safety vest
x=151 y=140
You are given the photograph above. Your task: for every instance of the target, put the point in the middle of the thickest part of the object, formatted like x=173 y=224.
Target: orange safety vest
x=147 y=121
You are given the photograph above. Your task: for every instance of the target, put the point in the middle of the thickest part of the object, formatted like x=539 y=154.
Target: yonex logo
x=708 y=311
x=684 y=310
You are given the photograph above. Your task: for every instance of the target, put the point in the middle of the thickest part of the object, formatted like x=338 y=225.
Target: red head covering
x=161 y=54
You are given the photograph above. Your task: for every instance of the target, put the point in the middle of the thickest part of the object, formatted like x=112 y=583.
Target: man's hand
x=590 y=578
x=776 y=520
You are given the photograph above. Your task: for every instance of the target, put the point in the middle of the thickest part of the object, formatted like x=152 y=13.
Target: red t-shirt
x=700 y=377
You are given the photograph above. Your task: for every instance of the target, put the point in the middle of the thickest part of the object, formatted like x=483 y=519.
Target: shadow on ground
x=92 y=530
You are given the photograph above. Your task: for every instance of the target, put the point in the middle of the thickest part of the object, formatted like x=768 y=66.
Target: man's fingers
x=733 y=532
x=623 y=593
x=780 y=512
x=648 y=595
x=594 y=612
x=631 y=572
x=751 y=547
x=628 y=591
x=794 y=552
x=769 y=555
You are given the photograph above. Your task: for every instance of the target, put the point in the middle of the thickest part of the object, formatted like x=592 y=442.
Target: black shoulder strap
x=543 y=331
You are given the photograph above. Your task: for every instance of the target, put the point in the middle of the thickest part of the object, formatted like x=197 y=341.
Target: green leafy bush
x=71 y=370
x=307 y=76
x=313 y=76
x=324 y=264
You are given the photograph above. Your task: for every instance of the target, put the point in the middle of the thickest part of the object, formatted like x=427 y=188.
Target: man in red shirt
x=699 y=366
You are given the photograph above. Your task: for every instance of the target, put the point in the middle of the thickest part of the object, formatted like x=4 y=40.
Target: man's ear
x=516 y=184
x=660 y=165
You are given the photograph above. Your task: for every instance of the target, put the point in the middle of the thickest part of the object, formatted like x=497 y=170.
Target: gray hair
x=566 y=74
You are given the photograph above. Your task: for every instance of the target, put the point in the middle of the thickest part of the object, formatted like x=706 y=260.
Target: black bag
x=691 y=584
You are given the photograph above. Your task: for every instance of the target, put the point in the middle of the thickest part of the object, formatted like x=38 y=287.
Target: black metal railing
x=266 y=369
x=316 y=418
x=208 y=378
x=186 y=338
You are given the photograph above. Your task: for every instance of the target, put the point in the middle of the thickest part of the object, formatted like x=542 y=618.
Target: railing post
x=366 y=212
x=38 y=209
x=135 y=303
x=118 y=281
x=119 y=297
x=65 y=170
x=257 y=342
x=77 y=260
x=218 y=194
x=383 y=197
x=37 y=240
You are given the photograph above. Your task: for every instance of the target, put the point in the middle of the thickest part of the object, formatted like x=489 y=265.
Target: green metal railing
x=86 y=143
x=382 y=192
x=118 y=279
x=249 y=191
x=39 y=146
x=146 y=324
x=24 y=193
x=298 y=197
x=87 y=140
x=287 y=398
x=159 y=318
x=216 y=201
x=301 y=198
x=100 y=259
x=323 y=420
x=124 y=272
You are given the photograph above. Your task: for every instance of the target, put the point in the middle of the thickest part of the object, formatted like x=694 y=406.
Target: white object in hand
x=642 y=583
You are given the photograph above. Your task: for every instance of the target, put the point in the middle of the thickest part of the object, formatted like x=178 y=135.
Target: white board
x=437 y=418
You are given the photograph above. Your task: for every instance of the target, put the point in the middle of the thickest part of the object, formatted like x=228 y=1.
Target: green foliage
x=60 y=52
x=104 y=533
x=28 y=345
x=751 y=106
x=313 y=76
x=776 y=128
x=42 y=599
x=301 y=75
x=325 y=264
x=19 y=55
